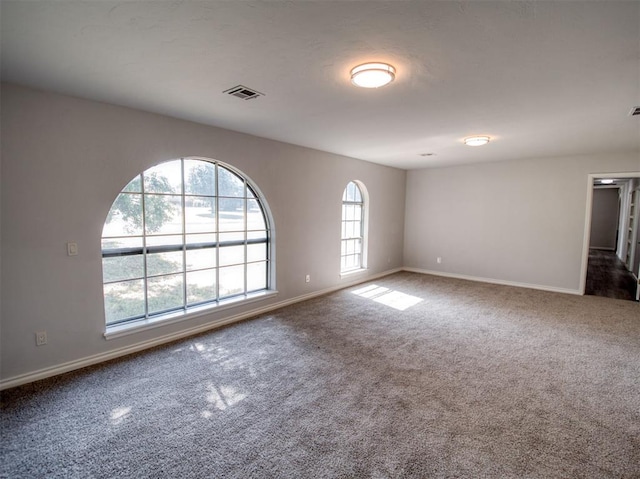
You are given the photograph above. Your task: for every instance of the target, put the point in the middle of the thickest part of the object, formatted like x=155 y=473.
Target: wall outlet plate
x=41 y=338
x=72 y=249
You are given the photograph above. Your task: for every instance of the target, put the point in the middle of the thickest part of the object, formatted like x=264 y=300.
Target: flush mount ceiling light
x=476 y=140
x=606 y=181
x=372 y=75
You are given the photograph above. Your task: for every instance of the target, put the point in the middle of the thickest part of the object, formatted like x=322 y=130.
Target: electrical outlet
x=72 y=249
x=307 y=278
x=41 y=338
x=439 y=260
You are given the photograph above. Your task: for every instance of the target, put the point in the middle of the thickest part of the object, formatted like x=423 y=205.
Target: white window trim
x=352 y=272
x=132 y=327
x=365 y=230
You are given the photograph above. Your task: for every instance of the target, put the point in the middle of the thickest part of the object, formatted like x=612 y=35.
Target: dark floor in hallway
x=607 y=276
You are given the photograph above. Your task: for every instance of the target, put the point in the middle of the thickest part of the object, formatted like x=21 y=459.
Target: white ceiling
x=541 y=78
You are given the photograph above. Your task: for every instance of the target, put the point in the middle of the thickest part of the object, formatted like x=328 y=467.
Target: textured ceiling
x=541 y=78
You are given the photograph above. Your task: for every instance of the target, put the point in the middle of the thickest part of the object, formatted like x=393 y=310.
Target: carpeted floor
x=415 y=377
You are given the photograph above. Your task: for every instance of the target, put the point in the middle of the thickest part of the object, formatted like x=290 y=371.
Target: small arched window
x=182 y=235
x=353 y=247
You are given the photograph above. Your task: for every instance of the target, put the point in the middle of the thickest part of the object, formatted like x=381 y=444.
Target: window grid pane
x=201 y=286
x=119 y=268
x=257 y=276
x=125 y=216
x=185 y=232
x=124 y=300
x=165 y=293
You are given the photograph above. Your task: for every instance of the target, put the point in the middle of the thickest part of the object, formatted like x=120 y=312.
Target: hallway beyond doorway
x=607 y=276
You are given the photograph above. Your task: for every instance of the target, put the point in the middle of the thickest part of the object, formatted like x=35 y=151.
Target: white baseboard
x=495 y=281
x=116 y=353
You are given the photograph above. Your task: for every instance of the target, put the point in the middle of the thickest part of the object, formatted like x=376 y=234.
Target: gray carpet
x=474 y=380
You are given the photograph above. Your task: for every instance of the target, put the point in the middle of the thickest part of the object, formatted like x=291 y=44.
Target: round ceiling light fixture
x=476 y=140
x=372 y=75
x=608 y=181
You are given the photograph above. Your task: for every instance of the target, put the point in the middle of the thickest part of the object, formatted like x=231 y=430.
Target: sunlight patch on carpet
x=388 y=297
x=119 y=414
x=224 y=396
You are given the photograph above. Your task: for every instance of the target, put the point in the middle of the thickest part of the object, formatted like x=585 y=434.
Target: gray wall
x=604 y=218
x=64 y=160
x=514 y=221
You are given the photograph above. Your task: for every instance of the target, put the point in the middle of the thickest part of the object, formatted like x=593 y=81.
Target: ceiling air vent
x=635 y=111
x=243 y=92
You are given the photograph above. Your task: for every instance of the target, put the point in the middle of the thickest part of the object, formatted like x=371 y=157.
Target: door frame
x=634 y=198
x=587 y=222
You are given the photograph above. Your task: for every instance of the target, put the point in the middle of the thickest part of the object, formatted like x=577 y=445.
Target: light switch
x=72 y=249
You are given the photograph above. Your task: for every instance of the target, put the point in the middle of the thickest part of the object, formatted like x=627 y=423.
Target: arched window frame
x=251 y=198
x=354 y=228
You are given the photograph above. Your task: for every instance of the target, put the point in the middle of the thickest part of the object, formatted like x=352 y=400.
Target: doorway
x=611 y=247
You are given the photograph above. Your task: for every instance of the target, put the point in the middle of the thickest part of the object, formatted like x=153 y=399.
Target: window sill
x=353 y=272
x=120 y=330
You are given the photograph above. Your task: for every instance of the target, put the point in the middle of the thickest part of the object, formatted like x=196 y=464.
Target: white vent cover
x=243 y=92
x=635 y=111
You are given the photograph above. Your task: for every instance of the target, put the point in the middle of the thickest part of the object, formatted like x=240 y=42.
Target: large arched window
x=353 y=245
x=184 y=234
